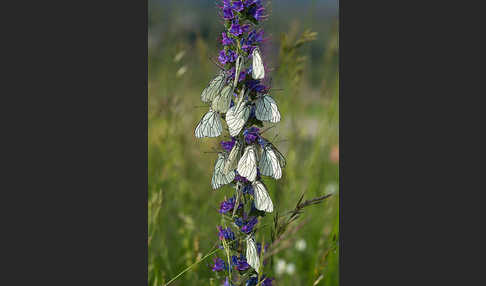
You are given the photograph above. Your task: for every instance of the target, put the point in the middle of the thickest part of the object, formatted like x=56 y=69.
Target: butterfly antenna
x=267 y=129
x=214 y=62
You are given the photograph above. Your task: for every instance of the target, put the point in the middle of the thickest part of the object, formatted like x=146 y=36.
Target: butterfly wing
x=214 y=88
x=209 y=126
x=247 y=164
x=263 y=201
x=258 y=70
x=240 y=62
x=219 y=178
x=270 y=164
x=232 y=161
x=221 y=102
x=266 y=109
x=236 y=117
x=252 y=254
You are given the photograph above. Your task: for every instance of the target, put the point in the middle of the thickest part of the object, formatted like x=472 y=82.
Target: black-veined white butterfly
x=266 y=109
x=258 y=70
x=263 y=201
x=240 y=62
x=252 y=254
x=209 y=126
x=272 y=161
x=214 y=87
x=219 y=178
x=231 y=164
x=222 y=101
x=237 y=116
x=247 y=166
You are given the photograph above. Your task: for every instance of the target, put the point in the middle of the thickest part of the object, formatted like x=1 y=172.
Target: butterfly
x=247 y=166
x=209 y=126
x=237 y=116
x=252 y=254
x=231 y=163
x=272 y=161
x=214 y=87
x=222 y=101
x=263 y=201
x=258 y=70
x=266 y=109
x=219 y=178
x=240 y=62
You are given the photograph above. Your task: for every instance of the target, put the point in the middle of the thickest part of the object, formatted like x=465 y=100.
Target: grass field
x=183 y=208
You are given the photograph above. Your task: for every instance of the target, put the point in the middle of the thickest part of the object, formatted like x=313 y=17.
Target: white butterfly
x=209 y=125
x=263 y=201
x=252 y=254
x=266 y=109
x=247 y=166
x=240 y=62
x=272 y=161
x=237 y=116
x=214 y=88
x=219 y=178
x=221 y=102
x=231 y=163
x=258 y=71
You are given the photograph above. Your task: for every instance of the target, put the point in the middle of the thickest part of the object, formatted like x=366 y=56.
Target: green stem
x=188 y=268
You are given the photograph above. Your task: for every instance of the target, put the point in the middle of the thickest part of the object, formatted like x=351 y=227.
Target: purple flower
x=228 y=145
x=255 y=85
x=267 y=281
x=248 y=226
x=228 y=13
x=241 y=179
x=252 y=281
x=245 y=28
x=227 y=233
x=248 y=189
x=240 y=263
x=226 y=3
x=228 y=205
x=227 y=283
x=225 y=40
x=218 y=264
x=255 y=37
x=258 y=15
x=222 y=57
x=251 y=134
x=236 y=29
x=241 y=77
x=227 y=56
x=237 y=5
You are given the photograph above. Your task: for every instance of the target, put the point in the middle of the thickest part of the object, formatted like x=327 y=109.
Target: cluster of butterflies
x=242 y=160
x=219 y=94
x=245 y=162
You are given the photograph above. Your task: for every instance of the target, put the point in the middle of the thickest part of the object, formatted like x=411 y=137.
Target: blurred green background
x=302 y=49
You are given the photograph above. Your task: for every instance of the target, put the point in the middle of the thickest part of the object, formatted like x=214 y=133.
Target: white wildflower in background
x=290 y=269
x=300 y=245
x=280 y=266
x=331 y=188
